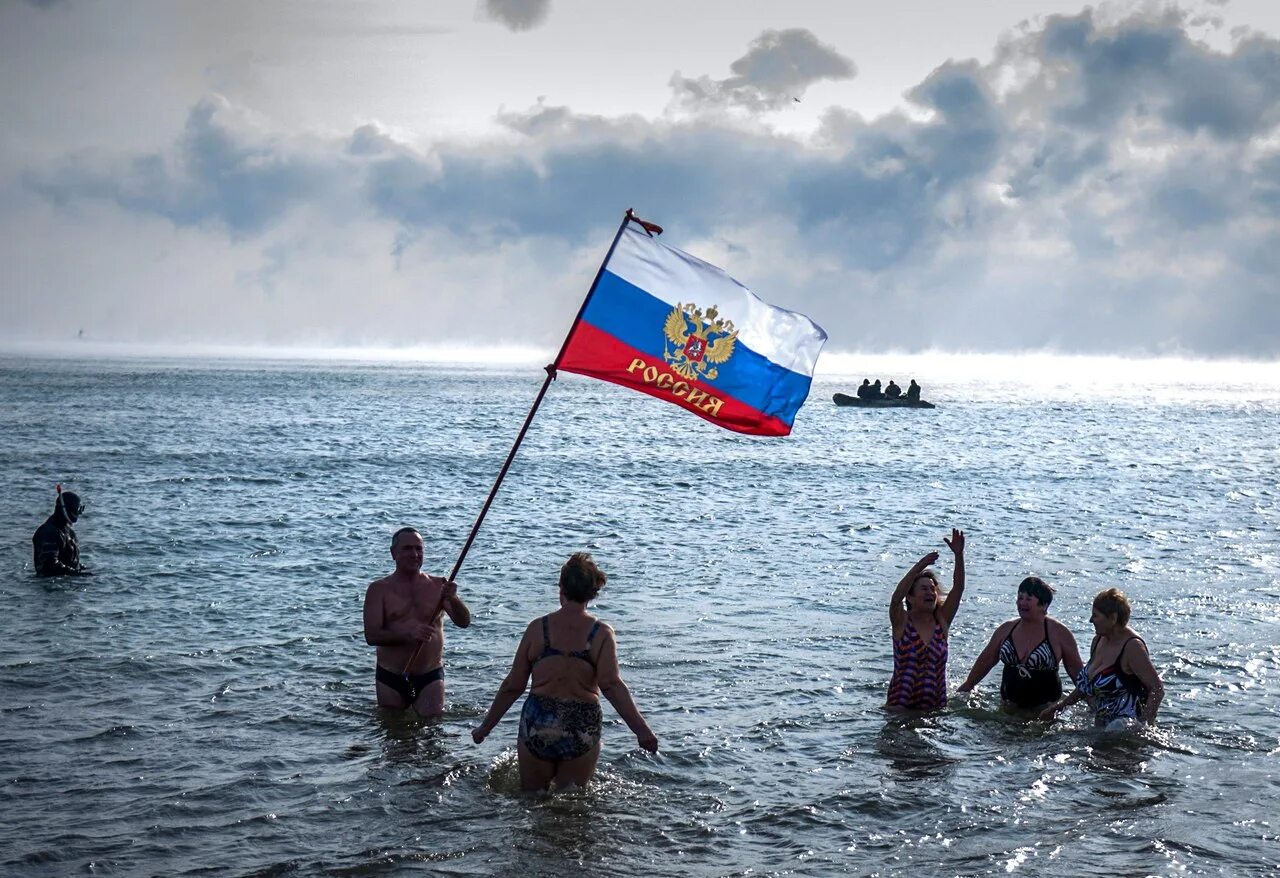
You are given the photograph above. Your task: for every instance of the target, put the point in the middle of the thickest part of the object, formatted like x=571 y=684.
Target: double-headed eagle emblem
x=697 y=344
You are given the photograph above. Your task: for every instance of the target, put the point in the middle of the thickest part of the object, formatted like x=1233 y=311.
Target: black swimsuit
x=1032 y=681
x=548 y=650
x=409 y=689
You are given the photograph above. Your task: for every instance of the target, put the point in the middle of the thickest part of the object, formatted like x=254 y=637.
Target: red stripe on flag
x=597 y=354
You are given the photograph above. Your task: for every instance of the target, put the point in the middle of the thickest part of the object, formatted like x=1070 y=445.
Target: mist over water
x=204 y=704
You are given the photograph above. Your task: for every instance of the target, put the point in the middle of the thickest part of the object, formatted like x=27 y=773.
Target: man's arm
x=453 y=605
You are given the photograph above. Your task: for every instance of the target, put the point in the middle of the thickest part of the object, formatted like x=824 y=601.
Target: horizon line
x=831 y=363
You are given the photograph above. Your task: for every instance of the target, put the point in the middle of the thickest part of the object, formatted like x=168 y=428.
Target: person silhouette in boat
x=876 y=392
x=864 y=389
x=913 y=391
x=892 y=391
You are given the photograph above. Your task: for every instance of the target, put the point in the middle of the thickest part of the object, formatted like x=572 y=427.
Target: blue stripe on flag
x=636 y=318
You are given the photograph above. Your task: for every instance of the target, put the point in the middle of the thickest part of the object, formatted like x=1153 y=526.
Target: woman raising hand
x=920 y=617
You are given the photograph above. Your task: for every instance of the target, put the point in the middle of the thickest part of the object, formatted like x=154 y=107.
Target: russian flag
x=670 y=325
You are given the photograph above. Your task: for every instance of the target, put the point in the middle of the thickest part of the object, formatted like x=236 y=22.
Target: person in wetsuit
x=403 y=619
x=892 y=390
x=875 y=392
x=1030 y=647
x=913 y=391
x=864 y=389
x=573 y=658
x=55 y=550
x=1120 y=682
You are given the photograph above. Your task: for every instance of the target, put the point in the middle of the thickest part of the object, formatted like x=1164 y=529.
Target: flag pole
x=628 y=217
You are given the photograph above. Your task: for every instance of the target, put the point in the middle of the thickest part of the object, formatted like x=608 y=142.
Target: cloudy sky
x=914 y=175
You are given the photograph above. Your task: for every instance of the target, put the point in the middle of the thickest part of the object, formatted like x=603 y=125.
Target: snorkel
x=69 y=505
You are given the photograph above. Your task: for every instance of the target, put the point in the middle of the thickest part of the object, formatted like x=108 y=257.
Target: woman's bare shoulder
x=1058 y=627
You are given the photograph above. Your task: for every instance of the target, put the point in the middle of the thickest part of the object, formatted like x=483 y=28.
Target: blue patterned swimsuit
x=1114 y=693
x=557 y=729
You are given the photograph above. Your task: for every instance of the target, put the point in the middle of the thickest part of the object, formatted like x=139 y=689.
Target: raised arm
x=952 y=603
x=1139 y=664
x=609 y=678
x=987 y=660
x=898 y=612
x=512 y=688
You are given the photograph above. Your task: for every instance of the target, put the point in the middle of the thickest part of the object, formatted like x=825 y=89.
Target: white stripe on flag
x=787 y=338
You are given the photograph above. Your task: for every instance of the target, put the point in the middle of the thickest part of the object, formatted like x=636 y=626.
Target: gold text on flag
x=663 y=380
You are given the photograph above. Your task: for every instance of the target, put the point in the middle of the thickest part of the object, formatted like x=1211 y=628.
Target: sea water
x=204 y=704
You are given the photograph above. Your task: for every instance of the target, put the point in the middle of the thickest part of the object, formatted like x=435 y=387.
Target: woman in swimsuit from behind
x=1030 y=647
x=920 y=620
x=572 y=658
x=1119 y=681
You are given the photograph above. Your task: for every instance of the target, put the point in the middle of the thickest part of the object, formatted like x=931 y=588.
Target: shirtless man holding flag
x=402 y=618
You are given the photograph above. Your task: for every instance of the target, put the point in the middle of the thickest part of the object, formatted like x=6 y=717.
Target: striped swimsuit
x=1032 y=681
x=919 y=679
x=1115 y=694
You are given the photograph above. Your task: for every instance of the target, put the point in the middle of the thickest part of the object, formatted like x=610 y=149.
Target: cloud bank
x=1098 y=187
x=516 y=15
